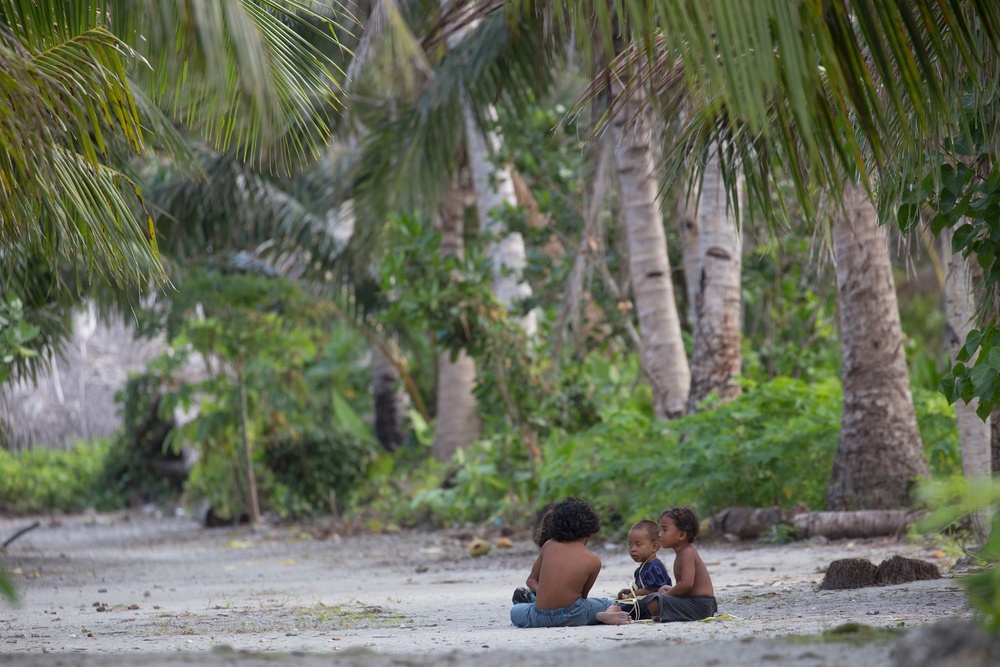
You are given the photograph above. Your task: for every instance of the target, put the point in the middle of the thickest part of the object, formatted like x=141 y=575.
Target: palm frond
x=408 y=161
x=828 y=90
x=243 y=73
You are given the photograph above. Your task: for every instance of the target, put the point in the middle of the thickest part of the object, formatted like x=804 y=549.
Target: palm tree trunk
x=960 y=308
x=879 y=453
x=389 y=401
x=664 y=359
x=494 y=188
x=687 y=230
x=716 y=357
x=458 y=425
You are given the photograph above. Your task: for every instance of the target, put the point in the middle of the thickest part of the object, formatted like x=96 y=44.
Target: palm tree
x=457 y=421
x=879 y=452
x=86 y=81
x=664 y=359
x=413 y=155
x=716 y=357
x=974 y=434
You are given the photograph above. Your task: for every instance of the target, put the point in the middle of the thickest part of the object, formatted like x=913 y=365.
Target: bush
x=772 y=446
x=46 y=480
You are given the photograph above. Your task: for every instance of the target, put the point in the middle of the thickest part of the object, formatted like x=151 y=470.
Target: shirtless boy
x=692 y=597
x=564 y=571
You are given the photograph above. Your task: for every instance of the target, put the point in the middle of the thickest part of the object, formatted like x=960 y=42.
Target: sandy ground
x=146 y=590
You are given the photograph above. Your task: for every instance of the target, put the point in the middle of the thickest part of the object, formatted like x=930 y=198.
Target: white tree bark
x=716 y=357
x=664 y=359
x=457 y=422
x=960 y=309
x=494 y=188
x=879 y=453
x=687 y=230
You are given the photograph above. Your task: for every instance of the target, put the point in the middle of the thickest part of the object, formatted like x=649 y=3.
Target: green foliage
x=281 y=375
x=774 y=445
x=7 y=589
x=52 y=480
x=447 y=295
x=312 y=472
x=491 y=480
x=955 y=499
x=130 y=472
x=790 y=319
x=15 y=335
x=980 y=379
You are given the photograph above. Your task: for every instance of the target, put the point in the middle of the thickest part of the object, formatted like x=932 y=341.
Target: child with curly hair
x=564 y=571
x=692 y=598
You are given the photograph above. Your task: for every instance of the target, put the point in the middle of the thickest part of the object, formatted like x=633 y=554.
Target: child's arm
x=532 y=581
x=684 y=571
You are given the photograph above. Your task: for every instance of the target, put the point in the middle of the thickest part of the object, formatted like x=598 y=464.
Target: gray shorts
x=682 y=608
x=582 y=612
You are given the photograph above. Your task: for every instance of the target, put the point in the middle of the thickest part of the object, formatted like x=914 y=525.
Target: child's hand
x=624 y=593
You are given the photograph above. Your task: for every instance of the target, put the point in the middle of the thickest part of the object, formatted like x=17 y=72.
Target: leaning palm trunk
x=960 y=307
x=716 y=356
x=879 y=453
x=663 y=357
x=457 y=422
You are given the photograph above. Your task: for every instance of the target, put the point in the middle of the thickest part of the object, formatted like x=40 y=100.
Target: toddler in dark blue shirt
x=643 y=543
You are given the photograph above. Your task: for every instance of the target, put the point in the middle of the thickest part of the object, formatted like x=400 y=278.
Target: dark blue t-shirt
x=652 y=575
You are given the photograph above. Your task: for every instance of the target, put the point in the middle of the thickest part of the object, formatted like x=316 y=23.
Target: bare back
x=565 y=572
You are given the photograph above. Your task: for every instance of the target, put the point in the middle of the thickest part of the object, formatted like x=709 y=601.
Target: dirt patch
x=171 y=588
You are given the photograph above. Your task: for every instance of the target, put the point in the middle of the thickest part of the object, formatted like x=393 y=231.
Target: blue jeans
x=582 y=612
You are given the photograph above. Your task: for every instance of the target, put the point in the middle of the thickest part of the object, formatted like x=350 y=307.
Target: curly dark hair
x=543 y=531
x=685 y=519
x=571 y=519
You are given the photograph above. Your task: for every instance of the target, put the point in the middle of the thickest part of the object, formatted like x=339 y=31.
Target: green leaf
x=349 y=419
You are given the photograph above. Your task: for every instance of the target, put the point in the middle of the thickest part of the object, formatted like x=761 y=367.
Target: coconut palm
x=85 y=82
x=716 y=358
x=974 y=435
x=879 y=452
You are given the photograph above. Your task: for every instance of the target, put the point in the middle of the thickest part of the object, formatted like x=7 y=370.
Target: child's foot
x=523 y=594
x=614 y=617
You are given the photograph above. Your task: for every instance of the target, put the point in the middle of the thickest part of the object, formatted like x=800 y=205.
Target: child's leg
x=666 y=608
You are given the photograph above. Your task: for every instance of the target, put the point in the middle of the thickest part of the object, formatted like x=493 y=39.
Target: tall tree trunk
x=960 y=309
x=457 y=424
x=494 y=188
x=389 y=401
x=664 y=359
x=879 y=453
x=716 y=357
x=687 y=230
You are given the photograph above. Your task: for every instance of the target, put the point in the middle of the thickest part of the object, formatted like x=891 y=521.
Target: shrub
x=46 y=480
